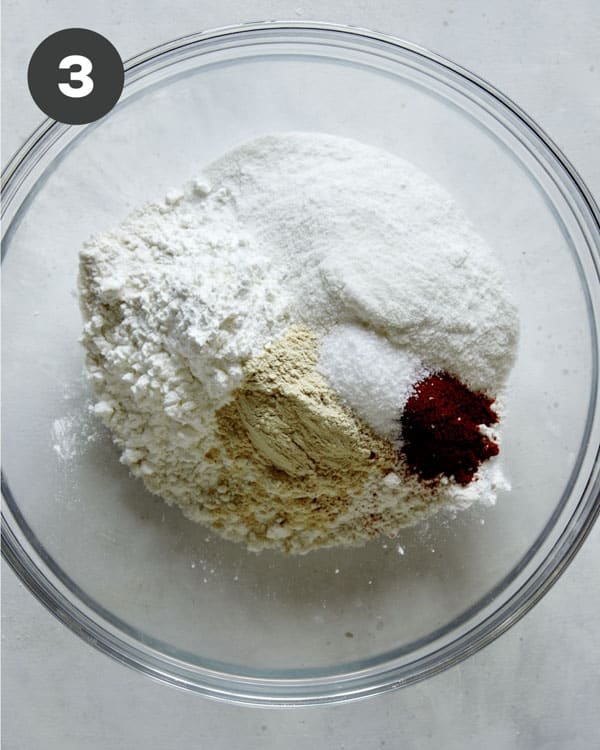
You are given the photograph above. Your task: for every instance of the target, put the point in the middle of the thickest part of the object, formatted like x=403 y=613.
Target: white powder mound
x=363 y=236
x=374 y=377
x=175 y=302
x=293 y=228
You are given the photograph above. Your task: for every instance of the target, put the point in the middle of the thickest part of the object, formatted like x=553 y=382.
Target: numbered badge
x=75 y=76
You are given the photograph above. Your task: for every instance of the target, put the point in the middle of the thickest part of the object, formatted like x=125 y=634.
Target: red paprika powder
x=440 y=429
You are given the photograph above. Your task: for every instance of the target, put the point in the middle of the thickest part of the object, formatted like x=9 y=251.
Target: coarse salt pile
x=371 y=375
x=257 y=339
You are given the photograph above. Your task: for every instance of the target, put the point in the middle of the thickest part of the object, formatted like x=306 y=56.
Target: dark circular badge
x=75 y=76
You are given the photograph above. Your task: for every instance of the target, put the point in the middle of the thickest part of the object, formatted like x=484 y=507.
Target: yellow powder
x=294 y=456
x=292 y=417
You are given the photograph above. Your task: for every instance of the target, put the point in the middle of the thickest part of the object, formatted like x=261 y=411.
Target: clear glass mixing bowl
x=129 y=574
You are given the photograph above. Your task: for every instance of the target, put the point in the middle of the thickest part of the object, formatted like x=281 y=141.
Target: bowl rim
x=21 y=550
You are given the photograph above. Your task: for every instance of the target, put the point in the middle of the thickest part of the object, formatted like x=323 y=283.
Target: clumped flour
x=254 y=337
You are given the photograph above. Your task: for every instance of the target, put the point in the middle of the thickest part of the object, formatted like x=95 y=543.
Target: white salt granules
x=373 y=376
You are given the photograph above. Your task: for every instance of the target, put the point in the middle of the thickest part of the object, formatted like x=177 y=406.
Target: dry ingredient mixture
x=302 y=347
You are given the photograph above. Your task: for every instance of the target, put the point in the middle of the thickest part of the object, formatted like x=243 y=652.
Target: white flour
x=290 y=228
x=361 y=235
x=66 y=437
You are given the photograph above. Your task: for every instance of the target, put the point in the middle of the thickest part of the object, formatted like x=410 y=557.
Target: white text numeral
x=82 y=76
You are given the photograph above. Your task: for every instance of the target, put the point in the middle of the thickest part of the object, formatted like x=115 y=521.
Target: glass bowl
x=135 y=579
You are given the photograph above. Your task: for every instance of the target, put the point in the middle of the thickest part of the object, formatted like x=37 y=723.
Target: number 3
x=82 y=76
